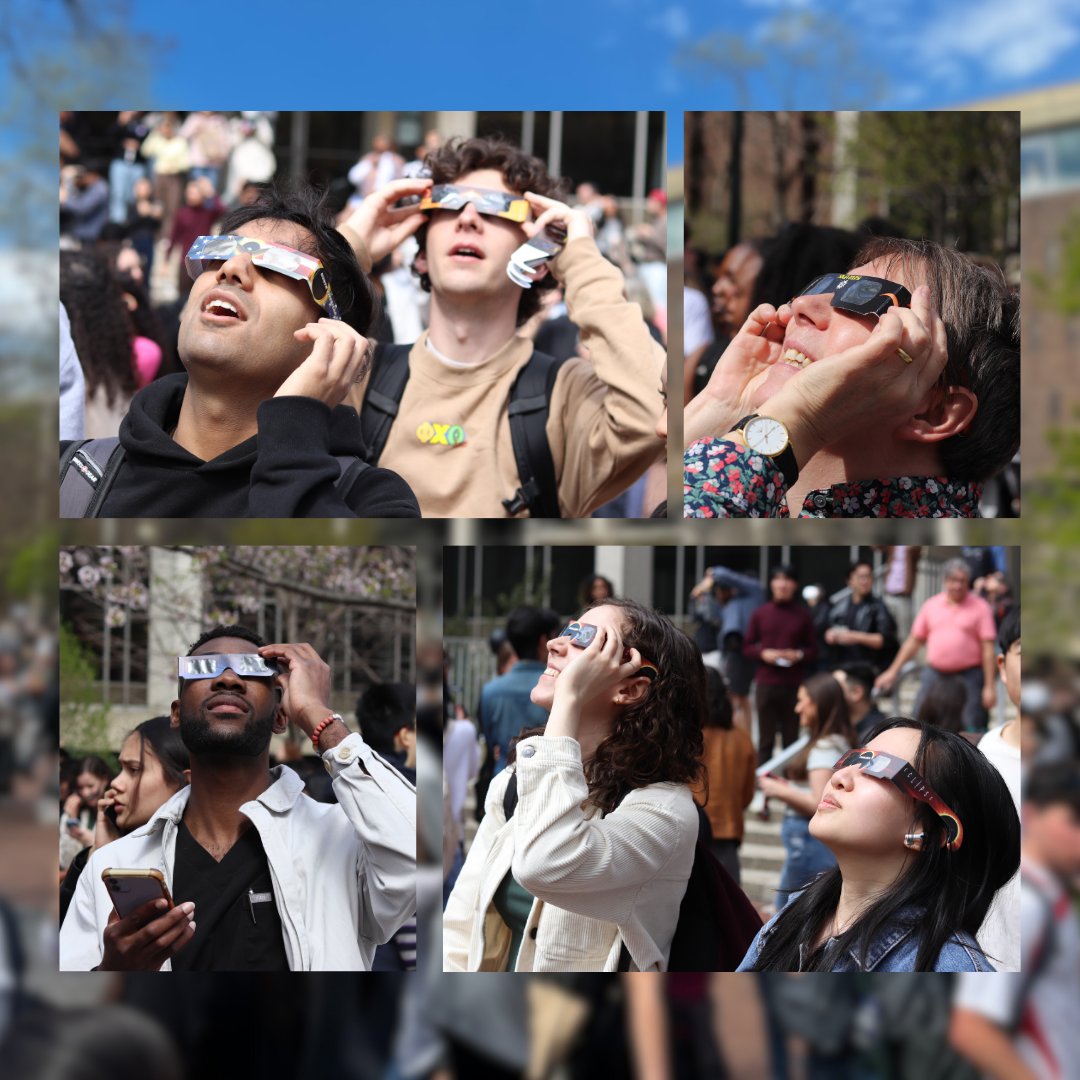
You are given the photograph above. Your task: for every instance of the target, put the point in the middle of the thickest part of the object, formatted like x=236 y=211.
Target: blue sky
x=610 y=54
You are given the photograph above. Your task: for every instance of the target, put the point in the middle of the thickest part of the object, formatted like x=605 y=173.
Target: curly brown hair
x=522 y=172
x=659 y=739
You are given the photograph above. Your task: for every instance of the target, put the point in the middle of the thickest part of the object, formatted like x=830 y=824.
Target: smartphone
x=130 y=889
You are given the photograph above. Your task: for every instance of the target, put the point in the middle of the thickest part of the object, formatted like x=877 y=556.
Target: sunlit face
x=257 y=341
x=805 y=709
x=862 y=815
x=466 y=252
x=818 y=330
x=1009 y=668
x=141 y=785
x=561 y=654
x=734 y=287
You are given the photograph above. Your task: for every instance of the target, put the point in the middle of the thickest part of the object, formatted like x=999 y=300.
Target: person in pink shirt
x=957 y=628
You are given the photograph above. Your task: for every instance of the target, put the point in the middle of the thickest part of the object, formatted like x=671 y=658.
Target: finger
x=761 y=319
x=542 y=200
x=165 y=924
x=397 y=189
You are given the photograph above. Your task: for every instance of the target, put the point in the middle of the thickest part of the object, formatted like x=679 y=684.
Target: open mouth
x=465 y=251
x=794 y=358
x=218 y=308
x=551 y=673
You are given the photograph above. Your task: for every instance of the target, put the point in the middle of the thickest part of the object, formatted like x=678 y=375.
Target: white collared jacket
x=344 y=874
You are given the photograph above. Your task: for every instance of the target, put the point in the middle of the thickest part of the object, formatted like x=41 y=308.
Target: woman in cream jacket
x=596 y=853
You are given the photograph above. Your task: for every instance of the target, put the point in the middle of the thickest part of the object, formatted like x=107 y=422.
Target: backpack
x=717 y=922
x=88 y=468
x=530 y=400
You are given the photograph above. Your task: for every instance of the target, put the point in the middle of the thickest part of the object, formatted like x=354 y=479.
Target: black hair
x=783 y=570
x=1009 y=630
x=95 y=766
x=168 y=747
x=585 y=588
x=100 y=323
x=940 y=892
x=382 y=711
x=718 y=711
x=942 y=703
x=832 y=718
x=526 y=625
x=521 y=172
x=117 y=1041
x=235 y=630
x=304 y=205
x=797 y=255
x=857 y=563
x=860 y=672
x=1052 y=784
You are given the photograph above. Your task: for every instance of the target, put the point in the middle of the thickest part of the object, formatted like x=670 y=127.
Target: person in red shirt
x=780 y=637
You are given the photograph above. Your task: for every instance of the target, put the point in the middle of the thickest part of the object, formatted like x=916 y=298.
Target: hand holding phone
x=152 y=931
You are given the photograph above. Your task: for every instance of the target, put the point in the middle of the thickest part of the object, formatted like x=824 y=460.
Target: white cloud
x=29 y=282
x=1003 y=37
x=673 y=21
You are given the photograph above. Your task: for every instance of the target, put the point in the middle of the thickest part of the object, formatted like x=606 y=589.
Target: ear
x=946 y=412
x=1001 y=666
x=631 y=691
x=174 y=714
x=187 y=775
x=540 y=273
x=281 y=718
x=420 y=261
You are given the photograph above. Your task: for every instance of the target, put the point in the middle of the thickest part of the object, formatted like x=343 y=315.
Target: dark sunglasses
x=582 y=635
x=859 y=295
x=884 y=766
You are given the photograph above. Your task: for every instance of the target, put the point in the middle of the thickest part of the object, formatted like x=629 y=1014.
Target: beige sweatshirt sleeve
x=604 y=410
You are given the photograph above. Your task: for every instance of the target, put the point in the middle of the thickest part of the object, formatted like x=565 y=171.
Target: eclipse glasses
x=859 y=295
x=267 y=256
x=582 y=635
x=211 y=665
x=884 y=766
x=504 y=204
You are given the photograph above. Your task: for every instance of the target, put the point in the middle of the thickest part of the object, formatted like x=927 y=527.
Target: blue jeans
x=122 y=177
x=806 y=857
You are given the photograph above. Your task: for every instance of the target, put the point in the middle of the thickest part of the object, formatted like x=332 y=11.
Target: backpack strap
x=88 y=468
x=389 y=374
x=510 y=797
x=351 y=467
x=1043 y=951
x=530 y=400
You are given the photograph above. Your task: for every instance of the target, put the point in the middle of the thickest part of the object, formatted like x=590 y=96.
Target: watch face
x=765 y=435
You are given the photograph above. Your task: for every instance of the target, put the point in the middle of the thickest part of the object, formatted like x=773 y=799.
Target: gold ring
x=903 y=355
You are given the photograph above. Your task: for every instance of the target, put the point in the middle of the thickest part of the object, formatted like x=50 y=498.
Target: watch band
x=784 y=460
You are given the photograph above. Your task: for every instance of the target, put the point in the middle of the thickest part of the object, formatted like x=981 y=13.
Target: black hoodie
x=287 y=470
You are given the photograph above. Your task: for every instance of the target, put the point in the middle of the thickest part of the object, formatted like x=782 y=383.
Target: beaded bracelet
x=320 y=729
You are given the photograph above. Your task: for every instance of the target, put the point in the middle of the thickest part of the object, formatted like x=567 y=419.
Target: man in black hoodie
x=271 y=337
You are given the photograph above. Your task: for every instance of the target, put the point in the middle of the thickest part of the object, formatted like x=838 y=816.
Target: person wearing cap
x=897 y=405
x=263 y=878
x=451 y=435
x=272 y=338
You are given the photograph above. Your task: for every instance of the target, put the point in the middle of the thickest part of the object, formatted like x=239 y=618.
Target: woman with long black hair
x=588 y=839
x=925 y=833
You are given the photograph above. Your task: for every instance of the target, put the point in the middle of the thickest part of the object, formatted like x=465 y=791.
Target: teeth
x=224 y=305
x=795 y=358
x=551 y=672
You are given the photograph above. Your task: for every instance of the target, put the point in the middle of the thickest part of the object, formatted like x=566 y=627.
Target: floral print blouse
x=724 y=479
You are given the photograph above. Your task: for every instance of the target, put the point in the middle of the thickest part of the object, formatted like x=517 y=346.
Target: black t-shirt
x=237 y=925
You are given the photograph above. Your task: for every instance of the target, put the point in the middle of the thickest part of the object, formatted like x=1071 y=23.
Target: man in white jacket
x=264 y=878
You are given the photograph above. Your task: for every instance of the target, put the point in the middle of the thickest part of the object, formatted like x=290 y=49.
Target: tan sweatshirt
x=451 y=439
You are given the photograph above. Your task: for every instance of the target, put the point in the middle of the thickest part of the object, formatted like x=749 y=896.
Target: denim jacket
x=895 y=949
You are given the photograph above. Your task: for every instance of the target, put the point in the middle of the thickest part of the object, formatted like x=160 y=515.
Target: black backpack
x=717 y=922
x=530 y=399
x=88 y=468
